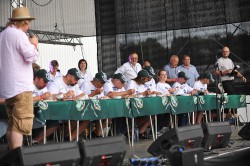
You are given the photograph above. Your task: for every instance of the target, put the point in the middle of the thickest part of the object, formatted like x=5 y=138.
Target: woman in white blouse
x=163 y=87
x=86 y=75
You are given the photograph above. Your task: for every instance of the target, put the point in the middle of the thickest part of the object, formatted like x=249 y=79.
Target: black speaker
x=103 y=151
x=62 y=154
x=187 y=136
x=245 y=132
x=216 y=135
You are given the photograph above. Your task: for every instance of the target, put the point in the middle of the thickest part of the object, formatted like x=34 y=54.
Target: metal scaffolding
x=46 y=36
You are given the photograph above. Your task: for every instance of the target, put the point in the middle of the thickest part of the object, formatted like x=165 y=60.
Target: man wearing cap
x=68 y=86
x=201 y=88
x=181 y=86
x=115 y=86
x=151 y=83
x=17 y=53
x=94 y=88
x=130 y=68
x=139 y=87
x=138 y=84
x=40 y=92
x=189 y=70
x=181 y=89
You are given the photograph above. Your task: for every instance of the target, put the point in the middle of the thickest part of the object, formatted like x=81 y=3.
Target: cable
x=199 y=26
x=139 y=30
x=40 y=4
x=62 y=16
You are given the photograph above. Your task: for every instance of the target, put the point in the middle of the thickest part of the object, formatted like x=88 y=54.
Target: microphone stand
x=218 y=85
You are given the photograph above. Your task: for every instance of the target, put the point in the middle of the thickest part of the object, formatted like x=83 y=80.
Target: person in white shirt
x=53 y=70
x=115 y=87
x=201 y=87
x=151 y=83
x=112 y=88
x=139 y=87
x=182 y=88
x=163 y=87
x=17 y=53
x=86 y=74
x=41 y=92
x=130 y=68
x=68 y=86
x=94 y=88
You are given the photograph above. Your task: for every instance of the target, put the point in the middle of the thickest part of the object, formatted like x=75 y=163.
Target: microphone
x=31 y=34
x=235 y=70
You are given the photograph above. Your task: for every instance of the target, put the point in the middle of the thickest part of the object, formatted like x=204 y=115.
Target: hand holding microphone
x=33 y=39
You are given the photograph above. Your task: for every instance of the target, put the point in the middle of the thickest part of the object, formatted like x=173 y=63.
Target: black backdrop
x=157 y=29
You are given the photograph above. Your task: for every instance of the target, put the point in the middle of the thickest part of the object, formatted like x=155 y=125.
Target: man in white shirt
x=68 y=86
x=130 y=68
x=201 y=88
x=94 y=88
x=17 y=53
x=182 y=88
x=115 y=86
x=226 y=69
x=40 y=92
x=201 y=85
x=151 y=83
x=53 y=70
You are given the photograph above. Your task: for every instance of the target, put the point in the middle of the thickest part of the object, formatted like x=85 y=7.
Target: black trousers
x=228 y=87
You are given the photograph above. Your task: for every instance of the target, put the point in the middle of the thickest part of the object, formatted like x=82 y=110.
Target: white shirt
x=151 y=85
x=16 y=57
x=52 y=77
x=58 y=86
x=38 y=92
x=223 y=65
x=138 y=88
x=87 y=76
x=182 y=89
x=129 y=71
x=199 y=86
x=163 y=88
x=110 y=87
x=88 y=88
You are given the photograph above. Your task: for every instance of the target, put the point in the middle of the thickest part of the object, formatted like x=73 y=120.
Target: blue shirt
x=191 y=73
x=172 y=72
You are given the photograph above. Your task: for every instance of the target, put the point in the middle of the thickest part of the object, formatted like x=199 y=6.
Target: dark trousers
x=228 y=87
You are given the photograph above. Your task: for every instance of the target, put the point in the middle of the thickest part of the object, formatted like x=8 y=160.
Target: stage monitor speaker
x=103 y=151
x=245 y=132
x=216 y=135
x=62 y=154
x=186 y=136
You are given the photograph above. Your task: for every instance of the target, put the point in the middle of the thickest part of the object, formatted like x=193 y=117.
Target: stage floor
x=140 y=147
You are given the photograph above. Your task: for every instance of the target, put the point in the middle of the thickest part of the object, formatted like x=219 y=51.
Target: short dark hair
x=54 y=63
x=80 y=61
x=159 y=72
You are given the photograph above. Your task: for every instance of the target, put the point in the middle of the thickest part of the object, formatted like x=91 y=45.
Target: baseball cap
x=143 y=73
x=120 y=77
x=101 y=76
x=208 y=76
x=182 y=75
x=75 y=72
x=42 y=73
x=150 y=70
